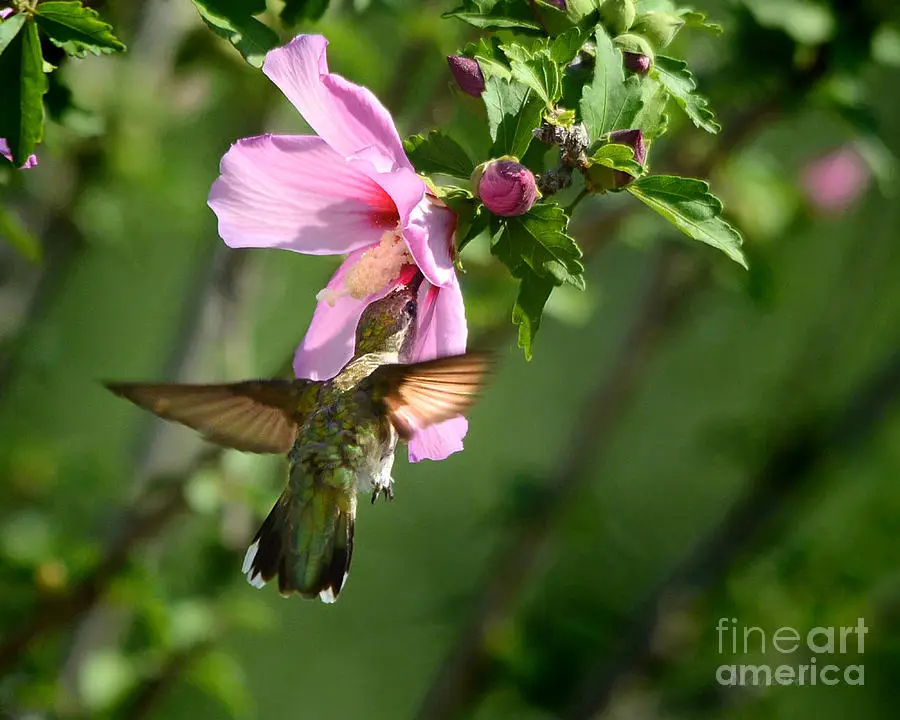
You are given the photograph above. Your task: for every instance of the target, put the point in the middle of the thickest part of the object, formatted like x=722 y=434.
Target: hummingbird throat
x=377 y=268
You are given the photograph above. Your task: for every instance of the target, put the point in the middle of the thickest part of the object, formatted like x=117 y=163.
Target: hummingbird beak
x=412 y=277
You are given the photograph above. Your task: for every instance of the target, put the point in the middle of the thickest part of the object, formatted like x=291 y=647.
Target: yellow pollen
x=378 y=266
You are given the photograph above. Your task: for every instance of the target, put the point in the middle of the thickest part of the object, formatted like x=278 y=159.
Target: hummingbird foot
x=386 y=490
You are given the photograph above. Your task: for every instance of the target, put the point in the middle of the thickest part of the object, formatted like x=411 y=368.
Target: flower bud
x=635 y=44
x=467 y=73
x=505 y=186
x=659 y=28
x=637 y=63
x=635 y=140
x=617 y=15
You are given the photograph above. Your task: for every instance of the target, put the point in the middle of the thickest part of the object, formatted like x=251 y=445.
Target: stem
x=578 y=198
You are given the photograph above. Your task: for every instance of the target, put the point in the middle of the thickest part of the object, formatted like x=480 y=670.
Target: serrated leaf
x=533 y=294
x=697 y=20
x=438 y=153
x=679 y=81
x=565 y=46
x=538 y=240
x=610 y=102
x=541 y=74
x=9 y=28
x=76 y=29
x=513 y=111
x=689 y=206
x=502 y=15
x=617 y=157
x=22 y=88
x=234 y=21
x=651 y=118
x=294 y=11
x=490 y=57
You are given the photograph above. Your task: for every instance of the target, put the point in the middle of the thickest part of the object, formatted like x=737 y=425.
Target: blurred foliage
x=617 y=496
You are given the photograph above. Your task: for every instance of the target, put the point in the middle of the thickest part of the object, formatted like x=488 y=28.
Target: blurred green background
x=690 y=442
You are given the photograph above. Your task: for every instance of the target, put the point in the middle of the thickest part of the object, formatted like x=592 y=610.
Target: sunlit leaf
x=76 y=29
x=689 y=206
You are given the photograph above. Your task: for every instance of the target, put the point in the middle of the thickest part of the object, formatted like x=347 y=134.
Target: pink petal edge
x=295 y=192
x=442 y=331
x=429 y=235
x=328 y=343
x=347 y=116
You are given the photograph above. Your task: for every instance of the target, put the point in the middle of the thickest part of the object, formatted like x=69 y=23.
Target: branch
x=459 y=678
x=798 y=456
x=138 y=524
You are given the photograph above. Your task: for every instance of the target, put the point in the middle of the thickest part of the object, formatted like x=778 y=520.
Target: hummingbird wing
x=421 y=394
x=261 y=416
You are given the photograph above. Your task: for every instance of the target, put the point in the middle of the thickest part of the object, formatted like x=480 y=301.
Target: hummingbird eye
x=410 y=308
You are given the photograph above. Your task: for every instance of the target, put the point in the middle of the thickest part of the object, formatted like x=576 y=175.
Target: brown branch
x=457 y=682
x=151 y=512
x=797 y=457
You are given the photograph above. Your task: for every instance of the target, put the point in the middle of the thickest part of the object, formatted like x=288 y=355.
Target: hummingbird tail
x=307 y=543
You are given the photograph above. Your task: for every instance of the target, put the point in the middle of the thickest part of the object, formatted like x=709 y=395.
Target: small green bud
x=618 y=15
x=659 y=28
x=557 y=16
x=635 y=44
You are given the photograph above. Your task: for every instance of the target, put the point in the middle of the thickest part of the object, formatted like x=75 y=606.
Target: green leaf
x=679 y=81
x=617 y=157
x=697 y=20
x=9 y=28
x=234 y=21
x=541 y=74
x=493 y=15
x=689 y=206
x=294 y=11
x=610 y=102
x=564 y=47
x=533 y=294
x=538 y=240
x=438 y=153
x=76 y=29
x=22 y=88
x=651 y=118
x=19 y=237
x=490 y=57
x=513 y=111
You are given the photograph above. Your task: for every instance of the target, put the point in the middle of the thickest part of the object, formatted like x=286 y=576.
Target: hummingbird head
x=389 y=324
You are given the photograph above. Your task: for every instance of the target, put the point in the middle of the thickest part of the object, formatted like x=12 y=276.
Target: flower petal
x=439 y=441
x=347 y=116
x=30 y=161
x=295 y=192
x=442 y=331
x=429 y=235
x=328 y=343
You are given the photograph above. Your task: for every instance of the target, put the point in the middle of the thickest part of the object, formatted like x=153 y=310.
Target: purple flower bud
x=5 y=13
x=506 y=187
x=467 y=73
x=561 y=4
x=635 y=140
x=637 y=63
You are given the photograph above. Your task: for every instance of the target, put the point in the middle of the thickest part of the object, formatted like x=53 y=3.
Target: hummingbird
x=339 y=436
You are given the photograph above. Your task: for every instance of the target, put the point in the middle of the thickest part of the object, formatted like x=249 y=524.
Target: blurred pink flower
x=350 y=190
x=835 y=180
x=5 y=152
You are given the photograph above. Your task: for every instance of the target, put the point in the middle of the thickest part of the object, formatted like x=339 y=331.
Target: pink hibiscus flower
x=351 y=189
